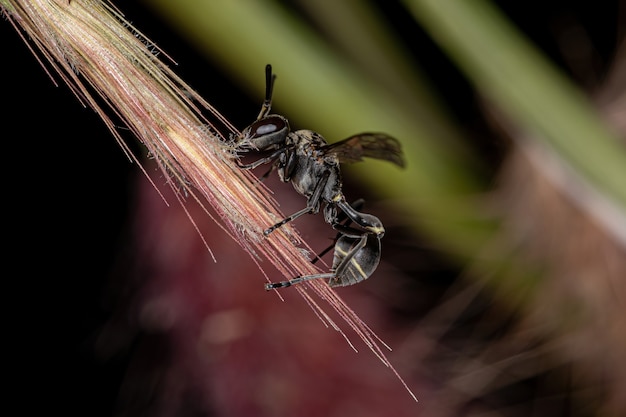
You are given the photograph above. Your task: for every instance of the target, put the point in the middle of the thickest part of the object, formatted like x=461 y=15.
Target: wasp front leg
x=259 y=162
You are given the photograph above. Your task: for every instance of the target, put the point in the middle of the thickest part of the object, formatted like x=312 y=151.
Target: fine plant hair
x=115 y=70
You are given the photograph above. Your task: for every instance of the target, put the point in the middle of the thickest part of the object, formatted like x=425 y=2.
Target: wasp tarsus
x=312 y=166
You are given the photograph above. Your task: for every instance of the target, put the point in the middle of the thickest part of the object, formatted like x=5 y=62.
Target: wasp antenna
x=269 y=83
x=269 y=87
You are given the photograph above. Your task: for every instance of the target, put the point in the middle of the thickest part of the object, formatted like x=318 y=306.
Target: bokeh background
x=501 y=289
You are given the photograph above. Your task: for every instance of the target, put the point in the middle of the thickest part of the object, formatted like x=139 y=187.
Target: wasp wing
x=371 y=145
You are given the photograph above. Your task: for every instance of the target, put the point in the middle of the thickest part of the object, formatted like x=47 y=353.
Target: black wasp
x=305 y=159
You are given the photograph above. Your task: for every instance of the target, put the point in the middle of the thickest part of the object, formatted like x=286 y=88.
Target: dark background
x=68 y=194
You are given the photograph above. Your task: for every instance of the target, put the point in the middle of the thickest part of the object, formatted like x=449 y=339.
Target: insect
x=312 y=166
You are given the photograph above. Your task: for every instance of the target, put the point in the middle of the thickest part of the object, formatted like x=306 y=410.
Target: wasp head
x=265 y=134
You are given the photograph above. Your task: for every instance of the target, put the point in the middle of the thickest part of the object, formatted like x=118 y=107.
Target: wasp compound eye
x=268 y=126
x=267 y=133
x=264 y=128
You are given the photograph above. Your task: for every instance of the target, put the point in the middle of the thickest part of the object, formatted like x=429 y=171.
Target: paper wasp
x=311 y=165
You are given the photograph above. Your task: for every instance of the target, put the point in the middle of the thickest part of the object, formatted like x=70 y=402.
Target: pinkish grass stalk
x=103 y=59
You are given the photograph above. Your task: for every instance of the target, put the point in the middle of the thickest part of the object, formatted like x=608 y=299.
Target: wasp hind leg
x=297 y=280
x=342 y=217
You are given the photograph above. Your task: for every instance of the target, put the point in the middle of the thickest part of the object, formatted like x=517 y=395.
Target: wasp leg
x=346 y=260
x=312 y=206
x=261 y=161
x=337 y=274
x=267 y=174
x=287 y=219
x=356 y=259
x=342 y=217
x=297 y=280
x=352 y=232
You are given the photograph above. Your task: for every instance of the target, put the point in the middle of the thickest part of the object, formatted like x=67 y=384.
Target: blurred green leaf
x=542 y=102
x=329 y=86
